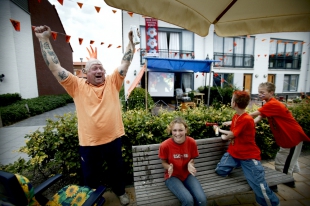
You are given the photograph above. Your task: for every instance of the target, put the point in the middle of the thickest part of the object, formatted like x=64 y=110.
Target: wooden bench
x=148 y=174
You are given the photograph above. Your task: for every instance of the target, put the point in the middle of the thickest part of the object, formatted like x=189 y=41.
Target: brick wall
x=45 y=14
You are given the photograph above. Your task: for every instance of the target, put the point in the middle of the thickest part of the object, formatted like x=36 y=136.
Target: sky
x=88 y=24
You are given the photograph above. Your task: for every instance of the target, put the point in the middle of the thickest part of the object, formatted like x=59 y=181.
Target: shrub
x=30 y=107
x=136 y=99
x=55 y=149
x=218 y=95
x=7 y=99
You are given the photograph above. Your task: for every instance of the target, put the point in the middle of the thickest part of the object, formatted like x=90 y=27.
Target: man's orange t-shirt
x=285 y=129
x=97 y=107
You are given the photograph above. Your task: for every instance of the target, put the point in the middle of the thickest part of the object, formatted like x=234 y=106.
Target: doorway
x=247 y=82
x=271 y=78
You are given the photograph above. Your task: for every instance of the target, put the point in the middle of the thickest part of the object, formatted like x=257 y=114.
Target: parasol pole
x=210 y=72
x=146 y=84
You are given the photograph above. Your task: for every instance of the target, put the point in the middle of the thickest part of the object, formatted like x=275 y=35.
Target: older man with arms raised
x=100 y=125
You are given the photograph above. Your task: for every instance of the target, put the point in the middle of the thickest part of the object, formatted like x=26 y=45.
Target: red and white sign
x=151 y=33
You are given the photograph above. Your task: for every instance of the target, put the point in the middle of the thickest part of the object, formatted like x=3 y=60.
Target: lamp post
x=81 y=63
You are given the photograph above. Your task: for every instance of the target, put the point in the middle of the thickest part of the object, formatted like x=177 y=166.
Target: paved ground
x=12 y=138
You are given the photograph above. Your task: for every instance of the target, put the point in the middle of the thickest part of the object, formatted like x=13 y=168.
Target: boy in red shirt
x=243 y=151
x=287 y=132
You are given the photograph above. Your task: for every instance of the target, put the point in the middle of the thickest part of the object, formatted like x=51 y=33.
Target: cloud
x=86 y=23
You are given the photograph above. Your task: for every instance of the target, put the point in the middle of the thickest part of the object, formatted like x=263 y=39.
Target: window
x=285 y=54
x=172 y=43
x=223 y=80
x=234 y=51
x=290 y=83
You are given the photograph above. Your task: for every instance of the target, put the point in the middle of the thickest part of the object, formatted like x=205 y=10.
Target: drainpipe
x=307 y=69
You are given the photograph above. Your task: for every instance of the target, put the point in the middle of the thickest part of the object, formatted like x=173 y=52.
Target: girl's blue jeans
x=254 y=174
x=189 y=192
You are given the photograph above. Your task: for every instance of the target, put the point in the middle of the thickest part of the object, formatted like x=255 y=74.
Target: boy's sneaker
x=124 y=199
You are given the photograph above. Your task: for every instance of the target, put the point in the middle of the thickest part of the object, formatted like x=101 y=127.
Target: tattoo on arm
x=54 y=57
x=128 y=56
x=44 y=54
x=63 y=75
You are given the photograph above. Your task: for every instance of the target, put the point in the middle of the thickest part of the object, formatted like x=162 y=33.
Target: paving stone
x=304 y=160
x=269 y=165
x=228 y=200
x=303 y=189
x=246 y=198
x=291 y=203
x=305 y=202
x=288 y=193
x=299 y=177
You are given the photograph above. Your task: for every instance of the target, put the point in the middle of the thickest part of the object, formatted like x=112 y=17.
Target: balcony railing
x=284 y=62
x=165 y=53
x=234 y=60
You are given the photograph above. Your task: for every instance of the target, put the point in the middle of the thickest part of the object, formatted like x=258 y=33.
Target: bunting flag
x=80 y=4
x=97 y=8
x=80 y=41
x=203 y=73
x=127 y=81
x=230 y=50
x=61 y=2
x=287 y=54
x=263 y=39
x=265 y=55
x=130 y=13
x=114 y=11
x=175 y=53
x=296 y=53
x=16 y=24
x=102 y=43
x=258 y=55
x=303 y=52
x=91 y=42
x=54 y=35
x=279 y=41
x=119 y=46
x=221 y=59
x=272 y=40
x=181 y=55
x=109 y=45
x=187 y=54
x=235 y=44
x=196 y=75
x=68 y=38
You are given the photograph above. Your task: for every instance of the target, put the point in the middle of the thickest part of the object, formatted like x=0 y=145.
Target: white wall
x=16 y=52
x=204 y=46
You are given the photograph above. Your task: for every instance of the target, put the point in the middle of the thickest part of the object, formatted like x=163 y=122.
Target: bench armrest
x=46 y=184
x=95 y=196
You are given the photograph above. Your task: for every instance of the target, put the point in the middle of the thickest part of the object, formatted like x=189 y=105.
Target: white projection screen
x=161 y=84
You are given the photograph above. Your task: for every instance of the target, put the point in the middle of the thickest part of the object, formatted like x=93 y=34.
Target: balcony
x=165 y=53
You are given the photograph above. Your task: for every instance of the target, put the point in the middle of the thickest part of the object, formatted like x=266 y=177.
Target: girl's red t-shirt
x=179 y=155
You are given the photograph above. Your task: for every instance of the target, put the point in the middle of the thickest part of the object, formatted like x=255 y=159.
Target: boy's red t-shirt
x=179 y=155
x=243 y=146
x=285 y=129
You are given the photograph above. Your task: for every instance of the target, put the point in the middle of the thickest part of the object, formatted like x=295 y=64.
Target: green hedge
x=18 y=111
x=7 y=99
x=55 y=150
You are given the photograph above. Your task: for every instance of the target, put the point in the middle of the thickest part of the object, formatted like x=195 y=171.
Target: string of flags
x=16 y=25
